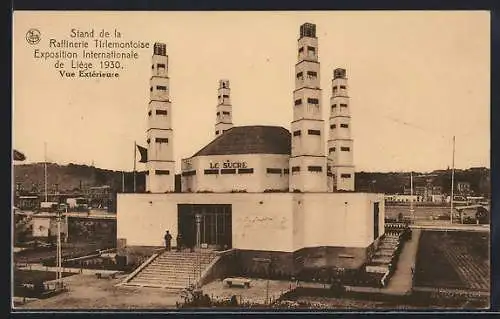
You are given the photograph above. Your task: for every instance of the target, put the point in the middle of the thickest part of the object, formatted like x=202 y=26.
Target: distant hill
x=74 y=177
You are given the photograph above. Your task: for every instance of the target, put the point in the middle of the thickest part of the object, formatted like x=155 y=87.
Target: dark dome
x=250 y=140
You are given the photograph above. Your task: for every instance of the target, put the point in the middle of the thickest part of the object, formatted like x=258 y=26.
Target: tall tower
x=160 y=176
x=307 y=161
x=340 y=143
x=224 y=120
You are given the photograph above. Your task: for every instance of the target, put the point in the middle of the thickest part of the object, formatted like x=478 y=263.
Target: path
x=401 y=281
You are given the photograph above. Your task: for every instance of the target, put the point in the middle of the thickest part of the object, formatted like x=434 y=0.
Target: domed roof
x=256 y=139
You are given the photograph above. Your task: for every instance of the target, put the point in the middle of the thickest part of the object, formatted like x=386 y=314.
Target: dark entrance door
x=215 y=224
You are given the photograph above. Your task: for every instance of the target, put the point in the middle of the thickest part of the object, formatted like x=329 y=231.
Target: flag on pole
x=144 y=154
x=18 y=156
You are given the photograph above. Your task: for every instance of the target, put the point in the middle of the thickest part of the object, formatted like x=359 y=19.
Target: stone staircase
x=171 y=269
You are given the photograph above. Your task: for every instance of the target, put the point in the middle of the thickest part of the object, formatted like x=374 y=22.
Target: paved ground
x=255 y=294
x=87 y=292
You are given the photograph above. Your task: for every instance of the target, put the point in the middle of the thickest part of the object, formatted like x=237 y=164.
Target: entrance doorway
x=215 y=224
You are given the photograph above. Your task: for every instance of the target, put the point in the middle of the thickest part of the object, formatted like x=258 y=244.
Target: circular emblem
x=33 y=36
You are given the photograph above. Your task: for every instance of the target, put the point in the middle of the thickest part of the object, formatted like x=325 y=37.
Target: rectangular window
x=211 y=171
x=300 y=75
x=333 y=126
x=298 y=102
x=345 y=149
x=161 y=140
x=314 y=168
x=314 y=132
x=295 y=169
x=160 y=65
x=344 y=125
x=217 y=132
x=312 y=101
x=274 y=171
x=334 y=106
x=343 y=105
x=301 y=49
x=245 y=171
x=312 y=74
x=162 y=172
x=148 y=140
x=331 y=149
x=161 y=87
x=342 y=87
x=345 y=175
x=218 y=113
x=161 y=112
x=149 y=113
x=188 y=173
x=286 y=171
x=311 y=49
x=225 y=113
x=225 y=96
x=296 y=133
x=228 y=171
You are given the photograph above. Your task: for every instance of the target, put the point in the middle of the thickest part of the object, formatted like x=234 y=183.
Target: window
x=228 y=171
x=311 y=49
x=344 y=125
x=331 y=149
x=343 y=105
x=295 y=169
x=218 y=96
x=312 y=74
x=345 y=175
x=334 y=106
x=296 y=133
x=161 y=140
x=160 y=65
x=301 y=49
x=274 y=171
x=286 y=171
x=300 y=75
x=375 y=220
x=314 y=168
x=345 y=149
x=189 y=173
x=312 y=101
x=211 y=171
x=225 y=96
x=342 y=87
x=314 y=132
x=226 y=113
x=333 y=126
x=162 y=172
x=148 y=140
x=298 y=102
x=161 y=87
x=149 y=113
x=150 y=89
x=217 y=132
x=161 y=112
x=245 y=171
x=218 y=113
x=152 y=66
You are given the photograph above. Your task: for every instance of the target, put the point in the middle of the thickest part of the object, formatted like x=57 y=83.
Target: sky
x=415 y=80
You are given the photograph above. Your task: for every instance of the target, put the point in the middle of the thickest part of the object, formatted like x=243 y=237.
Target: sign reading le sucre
x=228 y=164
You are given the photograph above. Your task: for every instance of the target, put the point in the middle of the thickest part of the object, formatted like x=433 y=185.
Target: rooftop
x=257 y=139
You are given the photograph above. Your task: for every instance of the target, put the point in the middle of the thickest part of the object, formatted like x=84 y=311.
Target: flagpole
x=452 y=181
x=45 y=169
x=135 y=160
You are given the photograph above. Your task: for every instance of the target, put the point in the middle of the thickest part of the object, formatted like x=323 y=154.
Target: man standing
x=179 y=242
x=168 y=239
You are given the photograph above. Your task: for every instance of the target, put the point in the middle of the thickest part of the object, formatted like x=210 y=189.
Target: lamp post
x=198 y=242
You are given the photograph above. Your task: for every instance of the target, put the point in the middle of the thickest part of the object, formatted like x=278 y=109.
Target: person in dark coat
x=168 y=240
